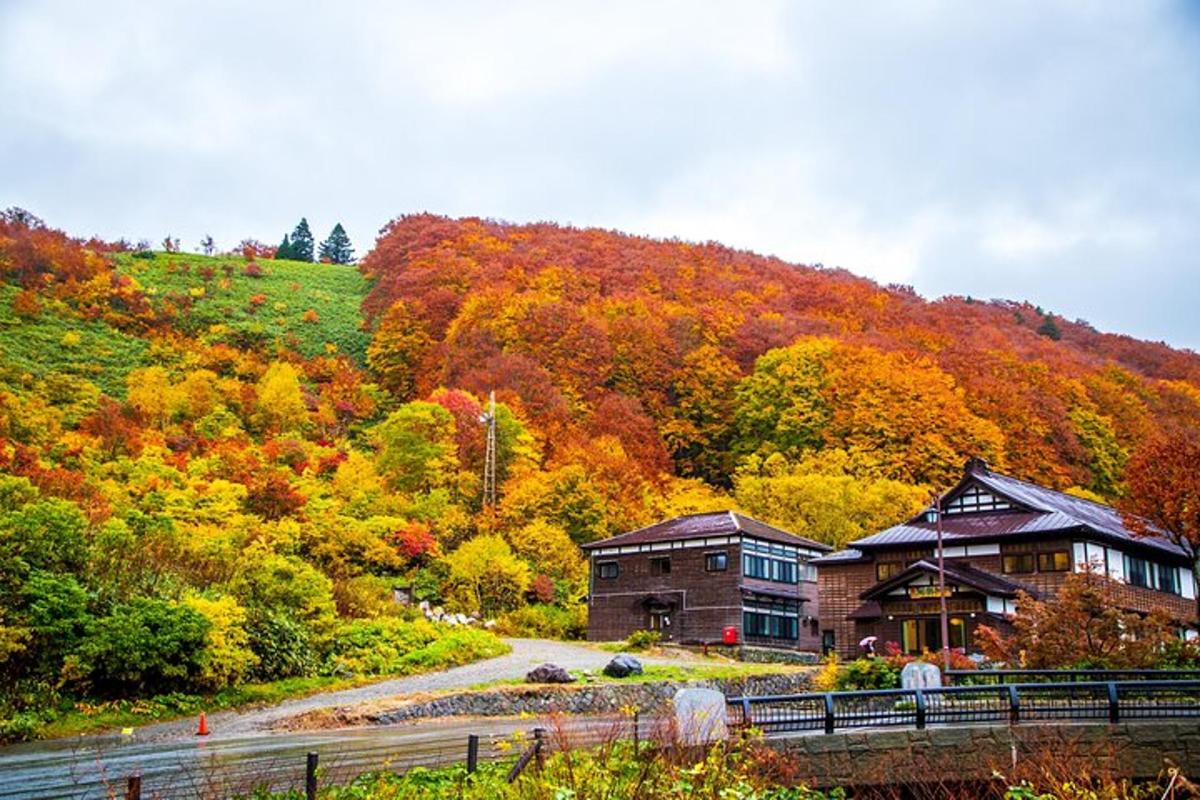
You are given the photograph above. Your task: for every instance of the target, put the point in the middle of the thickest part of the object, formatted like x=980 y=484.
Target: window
x=925 y=633
x=769 y=569
x=773 y=626
x=607 y=570
x=1168 y=579
x=1138 y=573
x=957 y=630
x=976 y=499
x=1018 y=563
x=716 y=562
x=660 y=565
x=888 y=569
x=1058 y=561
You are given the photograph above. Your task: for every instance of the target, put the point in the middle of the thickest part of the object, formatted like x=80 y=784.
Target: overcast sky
x=1042 y=151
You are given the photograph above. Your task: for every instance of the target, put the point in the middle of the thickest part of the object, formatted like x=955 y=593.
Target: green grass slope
x=59 y=344
x=219 y=299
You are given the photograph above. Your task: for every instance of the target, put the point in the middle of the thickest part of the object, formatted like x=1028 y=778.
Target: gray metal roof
x=715 y=523
x=1040 y=510
x=838 y=557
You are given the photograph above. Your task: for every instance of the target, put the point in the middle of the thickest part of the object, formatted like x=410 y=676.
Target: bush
x=392 y=646
x=147 y=646
x=283 y=647
x=544 y=621
x=868 y=673
x=642 y=640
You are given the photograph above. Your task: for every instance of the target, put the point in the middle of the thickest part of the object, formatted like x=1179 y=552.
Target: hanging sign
x=922 y=592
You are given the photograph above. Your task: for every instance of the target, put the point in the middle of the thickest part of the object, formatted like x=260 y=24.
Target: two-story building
x=692 y=577
x=1000 y=535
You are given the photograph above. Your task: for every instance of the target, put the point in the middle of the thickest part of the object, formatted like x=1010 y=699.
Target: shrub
x=146 y=646
x=228 y=657
x=869 y=673
x=826 y=678
x=545 y=622
x=642 y=640
x=393 y=646
x=282 y=645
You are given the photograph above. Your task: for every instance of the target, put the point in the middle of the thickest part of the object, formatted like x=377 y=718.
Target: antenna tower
x=489 y=459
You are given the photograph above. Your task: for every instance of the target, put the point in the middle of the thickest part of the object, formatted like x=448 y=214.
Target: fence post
x=637 y=725
x=539 y=741
x=829 y=712
x=1114 y=704
x=920 y=708
x=472 y=752
x=310 y=777
x=746 y=712
x=133 y=789
x=1014 y=706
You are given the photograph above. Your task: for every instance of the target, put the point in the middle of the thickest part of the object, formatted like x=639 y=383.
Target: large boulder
x=700 y=716
x=623 y=666
x=548 y=673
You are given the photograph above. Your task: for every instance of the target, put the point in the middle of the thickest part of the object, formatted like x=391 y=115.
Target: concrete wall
x=974 y=753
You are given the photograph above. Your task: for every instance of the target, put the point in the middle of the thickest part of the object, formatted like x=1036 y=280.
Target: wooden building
x=1001 y=535
x=692 y=577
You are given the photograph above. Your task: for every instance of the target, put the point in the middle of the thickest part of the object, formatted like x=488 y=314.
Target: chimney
x=975 y=464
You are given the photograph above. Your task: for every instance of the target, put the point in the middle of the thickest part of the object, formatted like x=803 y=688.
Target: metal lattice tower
x=489 y=459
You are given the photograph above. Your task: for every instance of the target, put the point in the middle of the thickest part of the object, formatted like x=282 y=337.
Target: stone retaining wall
x=974 y=753
x=648 y=698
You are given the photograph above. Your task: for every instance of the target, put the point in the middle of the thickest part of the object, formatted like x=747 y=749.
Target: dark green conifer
x=336 y=249
x=285 y=248
x=302 y=242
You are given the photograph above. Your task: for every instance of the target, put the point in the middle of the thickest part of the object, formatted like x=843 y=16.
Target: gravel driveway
x=526 y=654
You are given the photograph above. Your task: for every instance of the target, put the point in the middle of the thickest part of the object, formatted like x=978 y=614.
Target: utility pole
x=937 y=511
x=489 y=458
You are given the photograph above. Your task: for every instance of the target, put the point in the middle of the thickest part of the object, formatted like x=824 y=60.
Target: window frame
x=1052 y=557
x=660 y=566
x=894 y=569
x=601 y=569
x=1030 y=555
x=723 y=555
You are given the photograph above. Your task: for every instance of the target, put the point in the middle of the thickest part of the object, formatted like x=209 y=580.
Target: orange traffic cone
x=203 y=729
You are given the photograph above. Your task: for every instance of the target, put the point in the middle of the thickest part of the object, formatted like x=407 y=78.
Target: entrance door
x=925 y=633
x=661 y=621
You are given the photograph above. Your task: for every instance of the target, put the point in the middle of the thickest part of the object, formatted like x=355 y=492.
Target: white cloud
x=1032 y=151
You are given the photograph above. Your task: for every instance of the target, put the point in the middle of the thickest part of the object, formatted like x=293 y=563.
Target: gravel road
x=526 y=654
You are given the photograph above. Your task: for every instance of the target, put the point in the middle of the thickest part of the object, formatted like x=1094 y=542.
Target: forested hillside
x=216 y=469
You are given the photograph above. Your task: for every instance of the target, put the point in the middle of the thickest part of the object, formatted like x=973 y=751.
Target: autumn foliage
x=250 y=454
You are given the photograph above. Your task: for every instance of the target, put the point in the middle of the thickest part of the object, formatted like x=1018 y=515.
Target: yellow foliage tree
x=280 y=404
x=149 y=390
x=486 y=576
x=818 y=498
x=549 y=549
x=227 y=654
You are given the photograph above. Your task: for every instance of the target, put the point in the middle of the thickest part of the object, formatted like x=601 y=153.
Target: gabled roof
x=961 y=574
x=715 y=523
x=1036 y=510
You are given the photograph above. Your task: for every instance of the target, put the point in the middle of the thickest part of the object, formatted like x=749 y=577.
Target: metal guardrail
x=1009 y=703
x=1002 y=676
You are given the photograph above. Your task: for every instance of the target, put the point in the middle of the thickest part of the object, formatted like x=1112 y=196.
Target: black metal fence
x=1002 y=676
x=1007 y=703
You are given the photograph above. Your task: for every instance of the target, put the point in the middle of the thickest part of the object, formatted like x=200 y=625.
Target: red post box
x=729 y=635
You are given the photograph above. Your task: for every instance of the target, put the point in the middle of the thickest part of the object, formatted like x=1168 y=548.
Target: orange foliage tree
x=1083 y=625
x=1163 y=477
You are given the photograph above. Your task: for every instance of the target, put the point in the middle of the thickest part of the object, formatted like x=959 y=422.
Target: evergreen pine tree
x=336 y=249
x=302 y=242
x=285 y=248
